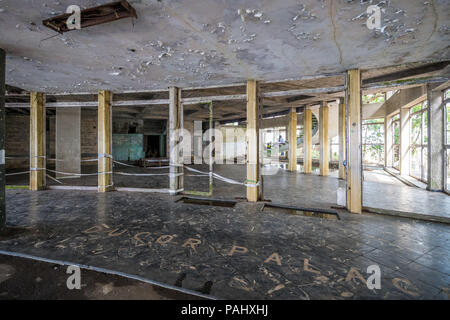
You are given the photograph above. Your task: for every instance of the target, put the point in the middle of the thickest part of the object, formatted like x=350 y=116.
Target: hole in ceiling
x=93 y=16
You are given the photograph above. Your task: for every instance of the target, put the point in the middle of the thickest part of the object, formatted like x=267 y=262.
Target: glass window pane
x=416 y=108
x=396 y=132
x=416 y=162
x=425 y=126
x=396 y=157
x=416 y=128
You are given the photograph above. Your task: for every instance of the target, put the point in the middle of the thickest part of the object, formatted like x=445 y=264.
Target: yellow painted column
x=292 y=154
x=253 y=172
x=324 y=141
x=341 y=139
x=37 y=141
x=354 y=155
x=307 y=140
x=105 y=177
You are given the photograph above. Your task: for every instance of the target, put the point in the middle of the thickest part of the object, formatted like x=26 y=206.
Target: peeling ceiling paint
x=210 y=42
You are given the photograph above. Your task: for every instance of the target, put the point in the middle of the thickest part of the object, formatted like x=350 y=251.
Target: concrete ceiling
x=207 y=42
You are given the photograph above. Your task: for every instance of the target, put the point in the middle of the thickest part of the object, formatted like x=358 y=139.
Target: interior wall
x=17 y=140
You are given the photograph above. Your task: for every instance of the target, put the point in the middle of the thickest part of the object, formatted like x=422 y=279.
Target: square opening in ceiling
x=93 y=16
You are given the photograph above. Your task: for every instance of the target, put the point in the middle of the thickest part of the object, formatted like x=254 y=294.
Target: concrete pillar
x=68 y=141
x=218 y=143
x=292 y=154
x=436 y=139
x=354 y=151
x=197 y=142
x=2 y=140
x=341 y=133
x=37 y=141
x=388 y=141
x=175 y=126
x=104 y=136
x=188 y=126
x=307 y=140
x=324 y=141
x=253 y=172
x=405 y=141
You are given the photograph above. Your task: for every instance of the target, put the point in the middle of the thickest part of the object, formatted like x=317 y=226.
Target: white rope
x=149 y=174
x=133 y=166
x=49 y=176
x=79 y=174
x=16 y=173
x=104 y=155
x=81 y=160
x=156 y=160
x=221 y=178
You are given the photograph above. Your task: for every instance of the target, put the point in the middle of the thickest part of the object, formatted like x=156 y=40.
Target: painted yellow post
x=253 y=173
x=324 y=141
x=37 y=141
x=341 y=139
x=292 y=155
x=354 y=156
x=105 y=177
x=307 y=140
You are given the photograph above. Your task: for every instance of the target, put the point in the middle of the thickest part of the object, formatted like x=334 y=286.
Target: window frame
x=423 y=145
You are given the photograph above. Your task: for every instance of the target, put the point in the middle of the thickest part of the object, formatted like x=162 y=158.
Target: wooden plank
x=93 y=104
x=253 y=170
x=324 y=140
x=341 y=139
x=292 y=153
x=354 y=155
x=175 y=125
x=105 y=177
x=37 y=141
x=307 y=140
x=302 y=92
x=433 y=67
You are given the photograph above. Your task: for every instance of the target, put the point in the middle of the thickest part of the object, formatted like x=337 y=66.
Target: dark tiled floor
x=152 y=236
x=380 y=190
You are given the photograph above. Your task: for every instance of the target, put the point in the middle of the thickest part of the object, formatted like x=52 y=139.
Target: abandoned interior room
x=228 y=149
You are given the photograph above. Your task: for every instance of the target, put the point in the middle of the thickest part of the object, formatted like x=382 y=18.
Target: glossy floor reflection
x=380 y=190
x=239 y=252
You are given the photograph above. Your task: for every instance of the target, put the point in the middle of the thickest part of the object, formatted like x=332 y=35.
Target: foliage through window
x=373 y=141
